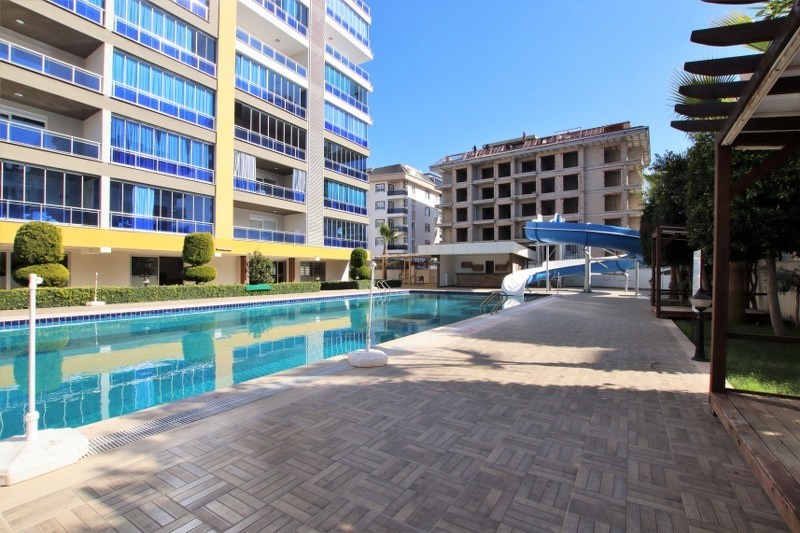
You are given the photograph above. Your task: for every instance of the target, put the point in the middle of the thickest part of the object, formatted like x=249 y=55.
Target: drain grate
x=106 y=443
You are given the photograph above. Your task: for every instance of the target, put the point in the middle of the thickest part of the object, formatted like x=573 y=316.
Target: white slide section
x=514 y=284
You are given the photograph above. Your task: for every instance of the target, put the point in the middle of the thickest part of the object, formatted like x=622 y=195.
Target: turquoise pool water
x=91 y=371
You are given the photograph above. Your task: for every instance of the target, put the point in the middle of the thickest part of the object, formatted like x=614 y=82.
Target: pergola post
x=722 y=254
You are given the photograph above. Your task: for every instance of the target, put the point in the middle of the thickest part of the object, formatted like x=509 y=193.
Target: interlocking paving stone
x=580 y=413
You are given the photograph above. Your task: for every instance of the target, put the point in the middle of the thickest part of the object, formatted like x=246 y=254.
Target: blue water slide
x=582 y=234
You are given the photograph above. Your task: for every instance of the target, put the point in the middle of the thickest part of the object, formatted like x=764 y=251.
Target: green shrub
x=358 y=261
x=338 y=285
x=363 y=272
x=259 y=268
x=200 y=273
x=198 y=249
x=52 y=274
x=37 y=243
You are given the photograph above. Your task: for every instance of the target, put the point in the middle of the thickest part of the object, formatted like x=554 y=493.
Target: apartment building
x=489 y=193
x=131 y=123
x=406 y=199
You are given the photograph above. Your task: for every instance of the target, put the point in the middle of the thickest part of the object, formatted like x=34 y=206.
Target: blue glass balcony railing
x=347 y=63
x=155 y=103
x=268 y=143
x=83 y=9
x=347 y=98
x=264 y=48
x=266 y=235
x=270 y=97
x=160 y=165
x=267 y=189
x=155 y=42
x=60 y=214
x=344 y=243
x=364 y=7
x=346 y=134
x=47 y=140
x=160 y=224
x=347 y=171
x=28 y=59
x=282 y=15
x=343 y=206
x=198 y=7
x=352 y=31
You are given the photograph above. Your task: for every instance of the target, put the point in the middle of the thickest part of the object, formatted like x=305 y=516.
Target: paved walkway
x=573 y=413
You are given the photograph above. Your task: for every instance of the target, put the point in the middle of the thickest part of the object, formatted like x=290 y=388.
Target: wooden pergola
x=762 y=111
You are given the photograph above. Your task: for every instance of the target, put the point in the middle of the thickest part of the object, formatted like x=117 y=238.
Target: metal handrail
x=495 y=300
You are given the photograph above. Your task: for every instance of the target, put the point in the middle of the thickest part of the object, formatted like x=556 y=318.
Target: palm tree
x=390 y=235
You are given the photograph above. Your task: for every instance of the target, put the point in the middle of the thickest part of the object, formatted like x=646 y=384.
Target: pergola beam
x=738 y=34
x=774 y=161
x=726 y=66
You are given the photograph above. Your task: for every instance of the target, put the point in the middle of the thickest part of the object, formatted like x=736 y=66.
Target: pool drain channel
x=105 y=443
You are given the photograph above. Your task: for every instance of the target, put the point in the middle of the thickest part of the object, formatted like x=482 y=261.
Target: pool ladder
x=494 y=302
x=384 y=287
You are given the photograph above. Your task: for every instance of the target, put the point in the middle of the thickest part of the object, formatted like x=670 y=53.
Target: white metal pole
x=96 y=277
x=636 y=290
x=547 y=267
x=588 y=269
x=32 y=417
x=369 y=317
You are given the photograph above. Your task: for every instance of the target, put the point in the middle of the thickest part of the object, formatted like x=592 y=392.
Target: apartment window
x=612 y=178
x=345 y=161
x=344 y=88
x=150 y=148
x=427 y=211
x=612 y=154
x=427 y=195
x=613 y=222
x=548 y=207
x=380 y=205
x=198 y=7
x=487 y=234
x=529 y=210
x=462 y=214
x=461 y=175
x=504 y=233
x=528 y=166
x=503 y=170
x=349 y=19
x=503 y=211
x=570 y=159
x=427 y=228
x=528 y=187
x=344 y=233
x=378 y=241
x=269 y=86
x=140 y=207
x=462 y=235
x=38 y=193
x=272 y=133
x=548 y=162
x=487 y=193
x=165 y=34
x=380 y=187
x=570 y=206
x=487 y=173
x=487 y=213
x=570 y=182
x=548 y=185
x=613 y=202
x=146 y=85
x=504 y=190
x=345 y=198
x=461 y=195
x=427 y=242
x=379 y=222
x=346 y=125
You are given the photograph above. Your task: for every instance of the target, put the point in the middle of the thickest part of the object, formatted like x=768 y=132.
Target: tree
x=358 y=264
x=198 y=250
x=390 y=235
x=259 y=268
x=38 y=248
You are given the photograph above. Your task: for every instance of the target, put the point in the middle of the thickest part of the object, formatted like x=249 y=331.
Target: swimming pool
x=99 y=369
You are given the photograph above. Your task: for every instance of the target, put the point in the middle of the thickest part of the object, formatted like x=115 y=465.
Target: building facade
x=489 y=193
x=407 y=200
x=131 y=123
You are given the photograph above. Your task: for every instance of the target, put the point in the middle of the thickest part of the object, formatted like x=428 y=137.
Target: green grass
x=756 y=365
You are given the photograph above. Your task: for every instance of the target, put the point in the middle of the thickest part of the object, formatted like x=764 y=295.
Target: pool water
x=91 y=371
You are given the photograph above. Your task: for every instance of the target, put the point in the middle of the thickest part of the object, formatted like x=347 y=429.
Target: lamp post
x=701 y=301
x=368 y=357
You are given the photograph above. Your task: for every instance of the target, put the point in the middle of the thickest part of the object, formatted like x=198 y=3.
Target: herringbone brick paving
x=576 y=413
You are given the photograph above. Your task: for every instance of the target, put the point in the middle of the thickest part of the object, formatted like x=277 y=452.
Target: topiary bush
x=358 y=260
x=259 y=268
x=38 y=243
x=200 y=273
x=198 y=248
x=363 y=272
x=52 y=274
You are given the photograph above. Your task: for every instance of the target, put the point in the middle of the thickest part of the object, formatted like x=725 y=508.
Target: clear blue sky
x=450 y=74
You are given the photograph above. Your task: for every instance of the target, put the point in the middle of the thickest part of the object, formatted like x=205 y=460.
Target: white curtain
x=244 y=165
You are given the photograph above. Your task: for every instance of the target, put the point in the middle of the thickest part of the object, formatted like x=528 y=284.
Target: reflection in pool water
x=91 y=371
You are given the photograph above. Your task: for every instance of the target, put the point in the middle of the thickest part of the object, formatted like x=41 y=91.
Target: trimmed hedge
x=79 y=296
x=52 y=274
x=199 y=273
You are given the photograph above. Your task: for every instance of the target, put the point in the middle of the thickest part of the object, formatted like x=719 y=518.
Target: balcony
x=135 y=96
x=397 y=192
x=160 y=165
x=347 y=208
x=347 y=171
x=270 y=97
x=268 y=143
x=344 y=61
x=51 y=141
x=399 y=229
x=397 y=246
x=346 y=98
x=198 y=7
x=263 y=235
x=397 y=211
x=267 y=189
x=59 y=214
x=159 y=224
x=283 y=16
x=83 y=8
x=31 y=60
x=263 y=48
